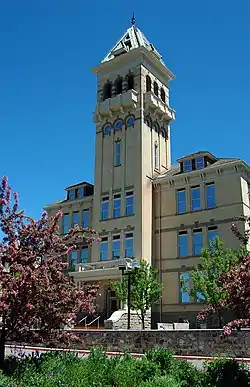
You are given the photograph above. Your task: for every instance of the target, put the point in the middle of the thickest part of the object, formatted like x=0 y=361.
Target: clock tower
x=132 y=119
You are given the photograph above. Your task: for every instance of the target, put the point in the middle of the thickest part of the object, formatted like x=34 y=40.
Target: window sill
x=190 y=212
x=118 y=217
x=117 y=165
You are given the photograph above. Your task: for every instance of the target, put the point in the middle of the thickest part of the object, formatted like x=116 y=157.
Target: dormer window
x=80 y=192
x=196 y=161
x=72 y=194
x=187 y=166
x=199 y=163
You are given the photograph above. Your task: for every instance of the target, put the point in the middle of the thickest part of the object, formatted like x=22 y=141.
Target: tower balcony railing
x=117 y=103
x=98 y=271
x=155 y=103
x=109 y=264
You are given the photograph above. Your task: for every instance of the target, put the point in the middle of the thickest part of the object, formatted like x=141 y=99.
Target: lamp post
x=127 y=269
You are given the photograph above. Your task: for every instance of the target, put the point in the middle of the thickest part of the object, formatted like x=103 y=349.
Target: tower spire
x=133 y=19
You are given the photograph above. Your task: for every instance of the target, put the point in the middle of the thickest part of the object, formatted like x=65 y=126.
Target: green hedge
x=157 y=369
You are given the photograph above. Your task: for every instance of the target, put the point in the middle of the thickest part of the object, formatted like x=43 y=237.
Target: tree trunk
x=142 y=320
x=220 y=319
x=2 y=348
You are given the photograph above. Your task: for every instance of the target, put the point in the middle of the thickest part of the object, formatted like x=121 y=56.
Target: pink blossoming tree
x=236 y=284
x=37 y=300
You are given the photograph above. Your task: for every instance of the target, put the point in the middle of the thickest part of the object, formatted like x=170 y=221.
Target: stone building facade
x=141 y=205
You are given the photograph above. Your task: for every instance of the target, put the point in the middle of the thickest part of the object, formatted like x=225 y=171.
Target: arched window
x=107 y=90
x=156 y=89
x=148 y=121
x=118 y=86
x=163 y=132
x=130 y=81
x=156 y=127
x=148 y=83
x=107 y=129
x=163 y=95
x=130 y=121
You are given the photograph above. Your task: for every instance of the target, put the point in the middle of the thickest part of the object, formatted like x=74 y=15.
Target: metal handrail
x=96 y=319
x=83 y=319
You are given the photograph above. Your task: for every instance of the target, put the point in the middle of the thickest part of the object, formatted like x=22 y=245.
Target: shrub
x=125 y=374
x=146 y=369
x=187 y=374
x=6 y=381
x=161 y=356
x=161 y=381
x=227 y=373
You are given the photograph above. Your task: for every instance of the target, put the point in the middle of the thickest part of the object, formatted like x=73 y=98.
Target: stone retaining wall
x=190 y=342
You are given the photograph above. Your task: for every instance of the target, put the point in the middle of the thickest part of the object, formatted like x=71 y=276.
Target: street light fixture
x=127 y=268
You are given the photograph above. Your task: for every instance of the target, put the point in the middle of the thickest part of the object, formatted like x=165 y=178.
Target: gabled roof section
x=198 y=154
x=133 y=38
x=176 y=170
x=83 y=183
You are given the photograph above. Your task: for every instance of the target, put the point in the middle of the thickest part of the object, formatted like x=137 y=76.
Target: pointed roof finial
x=133 y=19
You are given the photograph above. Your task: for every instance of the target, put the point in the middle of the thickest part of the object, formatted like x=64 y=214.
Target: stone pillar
x=119 y=320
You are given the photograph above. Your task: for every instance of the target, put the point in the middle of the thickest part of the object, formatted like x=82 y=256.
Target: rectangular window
x=183 y=244
x=104 y=249
x=184 y=295
x=210 y=195
x=117 y=153
x=74 y=258
x=129 y=203
x=197 y=241
x=181 y=201
x=187 y=165
x=71 y=194
x=199 y=163
x=117 y=206
x=212 y=232
x=156 y=162
x=199 y=296
x=195 y=198
x=66 y=224
x=116 y=247
x=129 y=245
x=75 y=219
x=85 y=218
x=84 y=254
x=105 y=208
x=80 y=192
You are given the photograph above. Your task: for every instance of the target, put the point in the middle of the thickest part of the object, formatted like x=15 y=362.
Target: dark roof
x=197 y=154
x=82 y=183
x=175 y=169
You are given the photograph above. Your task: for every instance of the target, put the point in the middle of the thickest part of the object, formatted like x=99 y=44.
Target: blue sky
x=47 y=89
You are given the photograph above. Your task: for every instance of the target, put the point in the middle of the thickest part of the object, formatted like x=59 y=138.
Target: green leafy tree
x=236 y=282
x=145 y=289
x=206 y=287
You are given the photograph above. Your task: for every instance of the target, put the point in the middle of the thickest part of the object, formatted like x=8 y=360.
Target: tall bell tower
x=132 y=119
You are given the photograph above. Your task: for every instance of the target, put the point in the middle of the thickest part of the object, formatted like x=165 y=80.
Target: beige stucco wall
x=232 y=200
